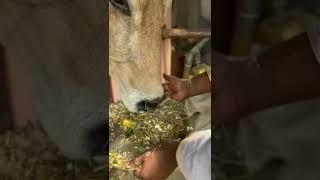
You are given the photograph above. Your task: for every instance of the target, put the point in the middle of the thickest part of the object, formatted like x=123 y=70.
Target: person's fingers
x=169 y=78
x=177 y=97
x=137 y=173
x=167 y=90
x=167 y=94
x=174 y=83
x=169 y=87
x=166 y=77
x=137 y=162
x=166 y=86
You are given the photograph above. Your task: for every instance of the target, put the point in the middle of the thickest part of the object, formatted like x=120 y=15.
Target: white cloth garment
x=194 y=156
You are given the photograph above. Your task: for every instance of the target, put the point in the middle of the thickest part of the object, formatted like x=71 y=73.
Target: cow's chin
x=130 y=101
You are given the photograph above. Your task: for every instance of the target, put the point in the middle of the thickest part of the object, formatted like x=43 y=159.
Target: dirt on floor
x=28 y=154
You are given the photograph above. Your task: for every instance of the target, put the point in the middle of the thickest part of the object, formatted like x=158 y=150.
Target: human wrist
x=188 y=88
x=255 y=87
x=199 y=85
x=242 y=84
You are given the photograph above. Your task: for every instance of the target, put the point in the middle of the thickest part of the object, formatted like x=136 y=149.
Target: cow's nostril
x=146 y=105
x=141 y=106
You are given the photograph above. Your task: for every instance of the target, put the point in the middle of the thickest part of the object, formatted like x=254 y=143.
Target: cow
x=135 y=50
x=61 y=45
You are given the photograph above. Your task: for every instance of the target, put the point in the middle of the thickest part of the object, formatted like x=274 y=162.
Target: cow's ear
x=167 y=4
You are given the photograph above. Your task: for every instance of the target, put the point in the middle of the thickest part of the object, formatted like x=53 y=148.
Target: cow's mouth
x=149 y=105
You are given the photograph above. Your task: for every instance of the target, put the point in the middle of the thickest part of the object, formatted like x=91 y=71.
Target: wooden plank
x=184 y=33
x=166 y=48
x=114 y=89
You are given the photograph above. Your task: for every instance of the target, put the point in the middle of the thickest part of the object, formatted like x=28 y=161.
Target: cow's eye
x=121 y=5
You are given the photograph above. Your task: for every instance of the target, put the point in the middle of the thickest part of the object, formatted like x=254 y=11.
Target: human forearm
x=287 y=73
x=199 y=85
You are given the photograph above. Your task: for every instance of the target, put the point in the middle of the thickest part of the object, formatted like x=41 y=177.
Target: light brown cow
x=135 y=50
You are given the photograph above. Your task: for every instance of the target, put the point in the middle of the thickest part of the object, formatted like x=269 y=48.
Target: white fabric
x=194 y=152
x=194 y=156
x=314 y=37
x=209 y=74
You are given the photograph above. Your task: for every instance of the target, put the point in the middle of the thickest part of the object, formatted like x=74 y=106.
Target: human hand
x=157 y=164
x=176 y=88
x=231 y=80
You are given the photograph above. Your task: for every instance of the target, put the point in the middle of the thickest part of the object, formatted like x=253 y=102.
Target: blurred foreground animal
x=61 y=45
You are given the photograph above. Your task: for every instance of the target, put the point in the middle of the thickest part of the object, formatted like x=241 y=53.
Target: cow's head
x=135 y=50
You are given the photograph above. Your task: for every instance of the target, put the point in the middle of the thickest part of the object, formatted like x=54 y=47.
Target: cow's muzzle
x=146 y=105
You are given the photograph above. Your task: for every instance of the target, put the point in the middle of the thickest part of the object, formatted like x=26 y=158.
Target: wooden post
x=166 y=48
x=115 y=93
